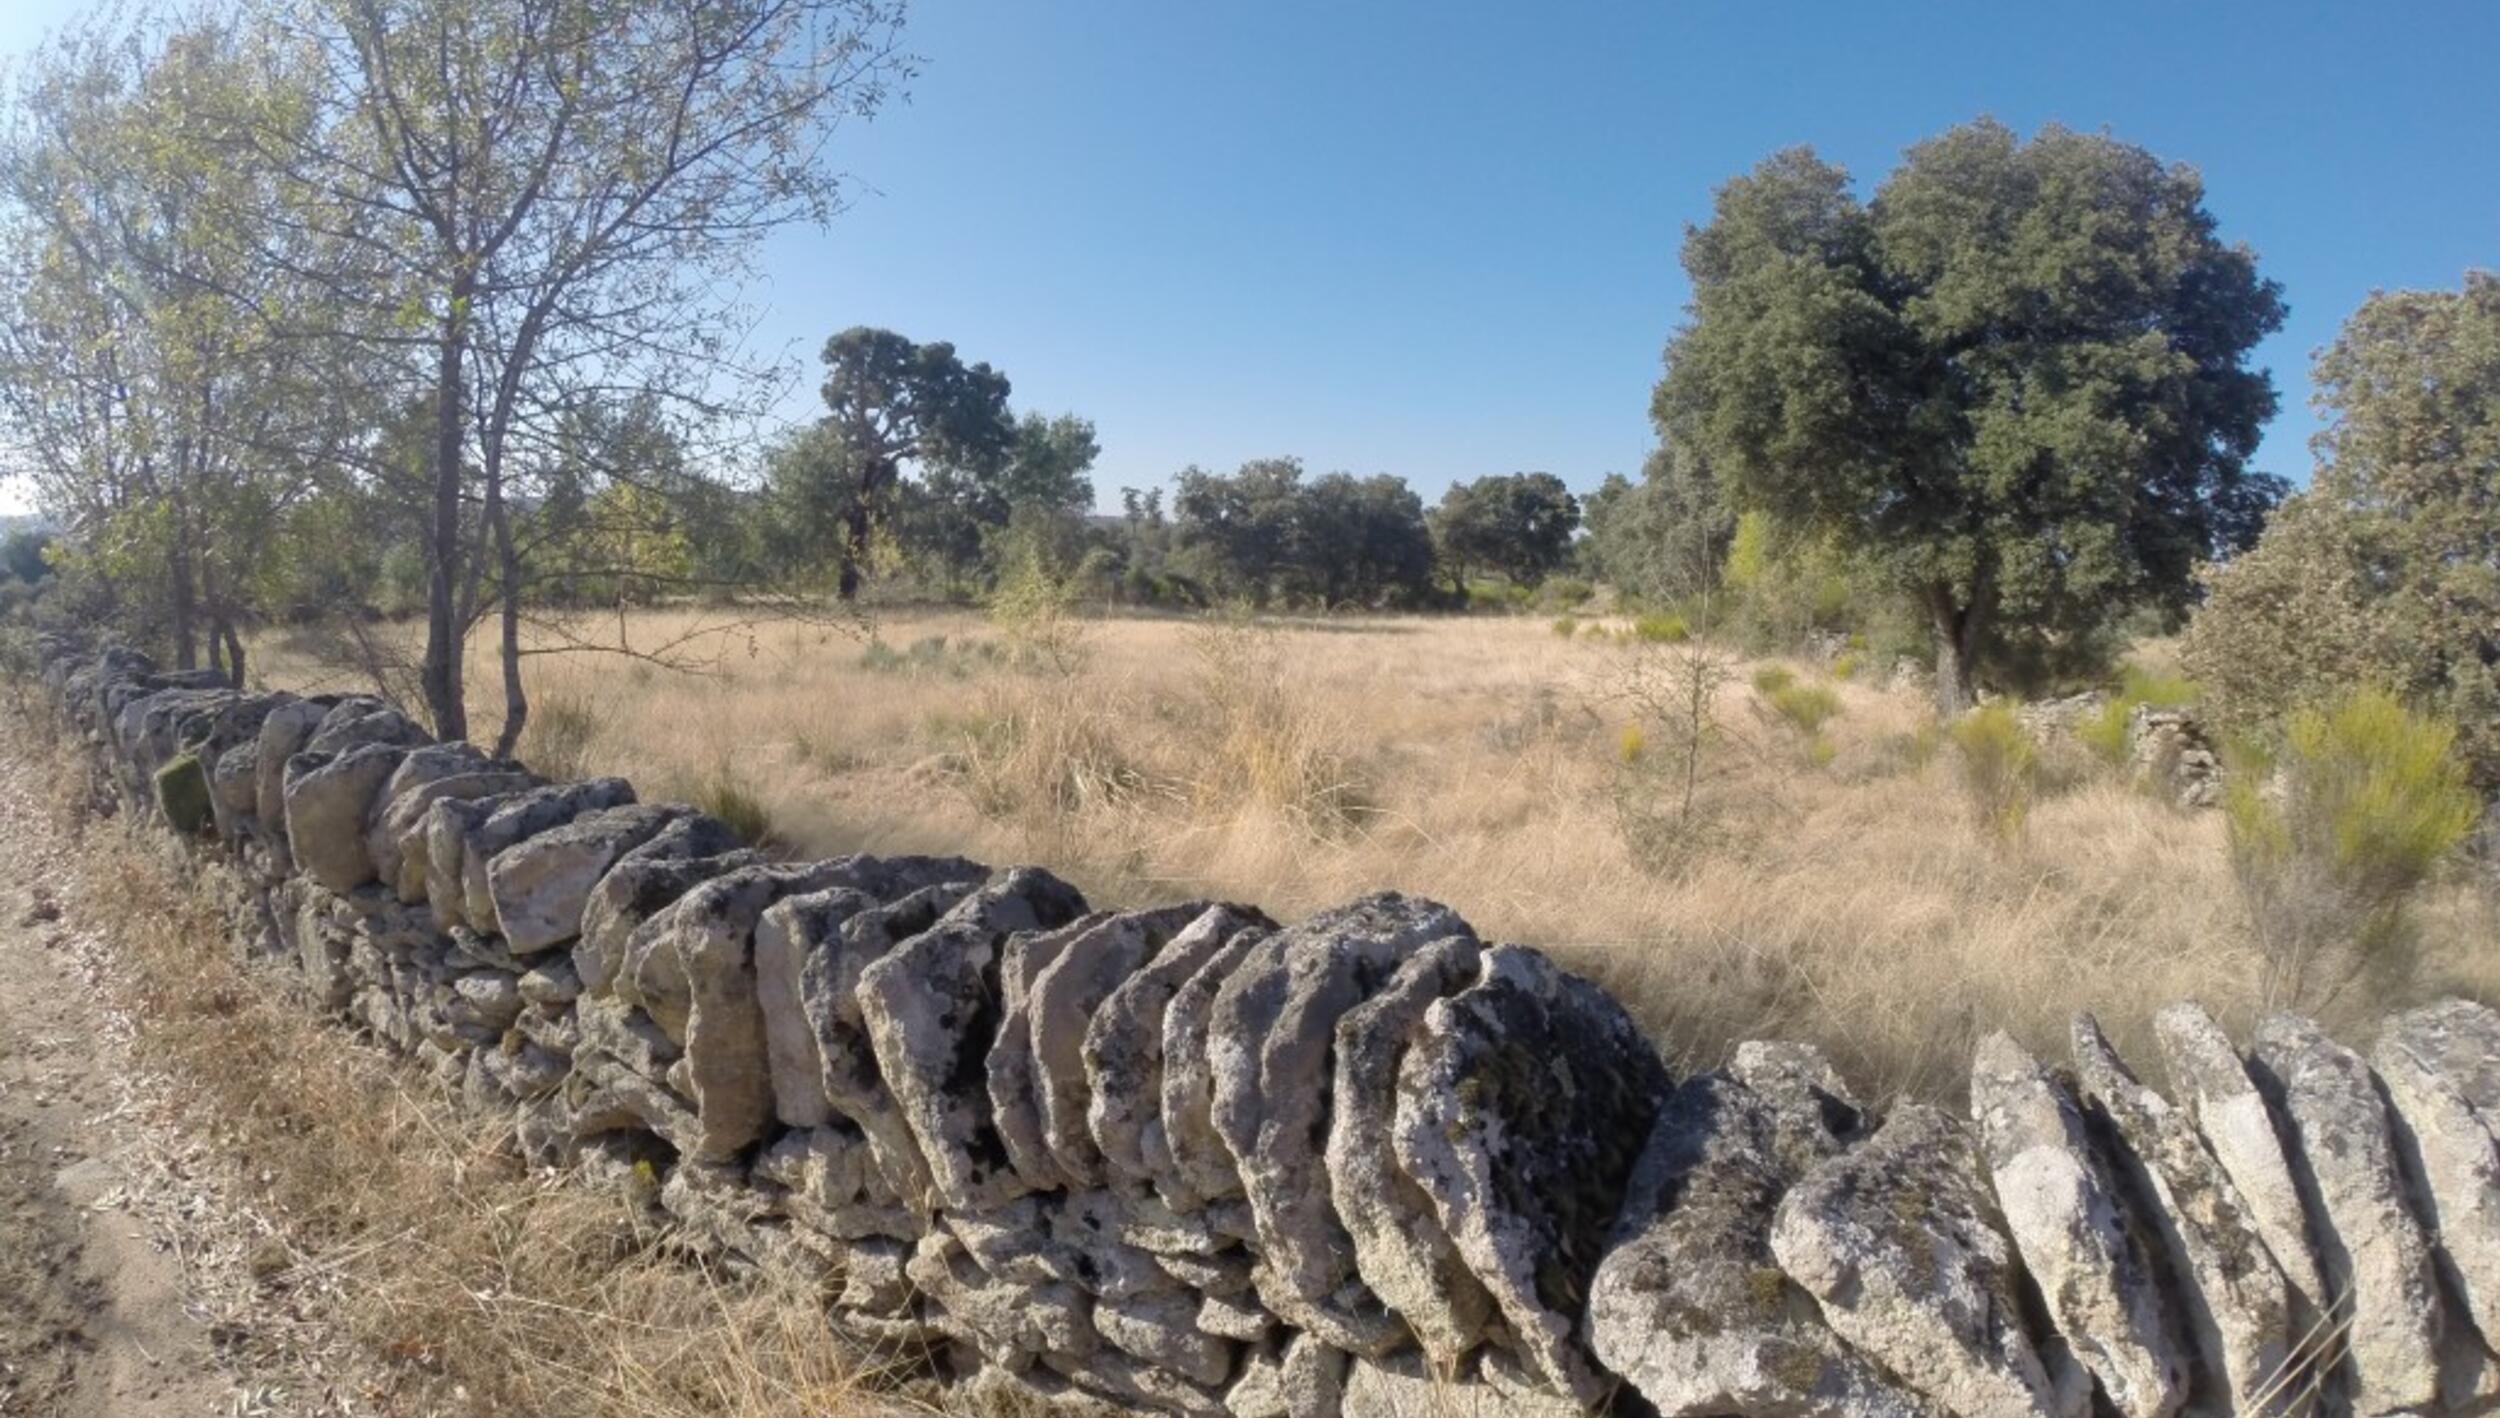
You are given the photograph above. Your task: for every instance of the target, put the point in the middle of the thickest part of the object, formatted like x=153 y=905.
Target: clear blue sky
x=1439 y=240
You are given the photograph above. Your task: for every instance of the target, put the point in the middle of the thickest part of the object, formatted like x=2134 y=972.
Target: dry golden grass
x=462 y=1282
x=1844 y=895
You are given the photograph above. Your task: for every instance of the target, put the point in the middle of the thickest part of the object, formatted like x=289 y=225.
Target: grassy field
x=1831 y=886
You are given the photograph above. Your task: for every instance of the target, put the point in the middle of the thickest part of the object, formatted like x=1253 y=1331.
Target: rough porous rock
x=1522 y=1107
x=2062 y=1209
x=1063 y=997
x=402 y=821
x=1014 y=1084
x=327 y=798
x=517 y=819
x=2441 y=1068
x=1122 y=1052
x=2371 y=1246
x=282 y=734
x=538 y=887
x=850 y=1080
x=1269 y=1046
x=1899 y=1241
x=1400 y=1249
x=644 y=882
x=931 y=1005
x=2233 y=1299
x=1201 y=1167
x=2211 y=1084
x=419 y=766
x=1689 y=1306
x=1306 y=1379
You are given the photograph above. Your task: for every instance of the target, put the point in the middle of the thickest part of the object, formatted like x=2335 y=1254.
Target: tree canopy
x=1519 y=524
x=2016 y=379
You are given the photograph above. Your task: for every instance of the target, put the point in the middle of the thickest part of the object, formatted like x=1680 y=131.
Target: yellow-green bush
x=1771 y=679
x=1566 y=626
x=1662 y=628
x=1999 y=767
x=2367 y=798
x=1845 y=666
x=1806 y=707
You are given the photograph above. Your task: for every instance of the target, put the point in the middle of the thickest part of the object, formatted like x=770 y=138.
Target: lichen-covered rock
x=1400 y=1250
x=327 y=797
x=2441 y=1068
x=1899 y=1242
x=182 y=795
x=361 y=719
x=849 y=1079
x=514 y=820
x=2234 y=1301
x=1269 y=1047
x=539 y=886
x=1201 y=1167
x=2371 y=1246
x=1015 y=1090
x=2212 y=1086
x=282 y=733
x=1689 y=1306
x=931 y=1006
x=644 y=882
x=1122 y=1053
x=692 y=970
x=1011 y=1323
x=1161 y=1327
x=833 y=1186
x=1062 y=999
x=400 y=819
x=2062 y=1209
x=1522 y=1106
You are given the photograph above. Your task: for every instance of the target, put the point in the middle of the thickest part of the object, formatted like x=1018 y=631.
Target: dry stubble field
x=1845 y=897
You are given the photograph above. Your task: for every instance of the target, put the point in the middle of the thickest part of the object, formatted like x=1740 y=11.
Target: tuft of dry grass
x=465 y=1281
x=1482 y=761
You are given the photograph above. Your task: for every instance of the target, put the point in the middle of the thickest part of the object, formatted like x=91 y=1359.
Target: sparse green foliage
x=1566 y=626
x=2362 y=803
x=727 y=796
x=1662 y=628
x=1771 y=679
x=557 y=742
x=1999 y=767
x=1806 y=707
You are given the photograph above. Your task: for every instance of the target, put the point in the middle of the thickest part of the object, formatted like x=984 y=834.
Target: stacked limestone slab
x=1188 y=1160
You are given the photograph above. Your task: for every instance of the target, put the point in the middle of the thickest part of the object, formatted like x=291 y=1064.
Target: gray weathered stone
x=326 y=802
x=1065 y=993
x=1162 y=1328
x=1400 y=1250
x=1014 y=1088
x=515 y=820
x=931 y=1006
x=1689 y=1305
x=2441 y=1068
x=1305 y=1380
x=1269 y=1046
x=401 y=821
x=2211 y=1085
x=644 y=882
x=2371 y=1246
x=539 y=886
x=2062 y=1209
x=2233 y=1298
x=1899 y=1242
x=1201 y=1167
x=282 y=735
x=1522 y=1106
x=1123 y=1047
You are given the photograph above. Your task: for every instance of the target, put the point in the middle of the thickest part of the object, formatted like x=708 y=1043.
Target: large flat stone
x=1122 y=1053
x=1900 y=1243
x=1013 y=1074
x=2441 y=1068
x=2210 y=1083
x=2233 y=1298
x=2062 y=1209
x=931 y=1006
x=1201 y=1168
x=1522 y=1107
x=539 y=886
x=327 y=797
x=1063 y=998
x=515 y=820
x=643 y=883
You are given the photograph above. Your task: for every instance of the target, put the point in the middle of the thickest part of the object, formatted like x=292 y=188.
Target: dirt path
x=95 y=1316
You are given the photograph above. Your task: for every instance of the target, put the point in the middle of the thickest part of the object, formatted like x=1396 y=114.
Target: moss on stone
x=182 y=794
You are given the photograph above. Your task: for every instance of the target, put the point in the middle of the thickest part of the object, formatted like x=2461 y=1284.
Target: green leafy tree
x=2387 y=570
x=1361 y=542
x=1664 y=538
x=1519 y=524
x=22 y=554
x=892 y=402
x=2015 y=381
x=1241 y=527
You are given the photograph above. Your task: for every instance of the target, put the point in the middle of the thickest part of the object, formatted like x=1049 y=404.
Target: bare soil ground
x=95 y=1314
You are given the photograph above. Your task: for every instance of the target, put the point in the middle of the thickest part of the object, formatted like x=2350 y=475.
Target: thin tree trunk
x=516 y=703
x=183 y=592
x=855 y=547
x=234 y=650
x=1953 y=624
x=444 y=634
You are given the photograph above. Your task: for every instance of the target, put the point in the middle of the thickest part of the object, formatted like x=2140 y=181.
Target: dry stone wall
x=1190 y=1161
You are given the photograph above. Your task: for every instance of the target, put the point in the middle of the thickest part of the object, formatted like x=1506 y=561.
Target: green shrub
x=1846 y=665
x=1662 y=628
x=2368 y=799
x=1566 y=626
x=1999 y=767
x=1806 y=707
x=1771 y=679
